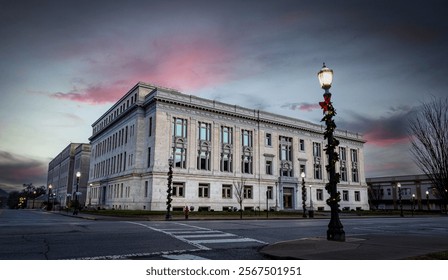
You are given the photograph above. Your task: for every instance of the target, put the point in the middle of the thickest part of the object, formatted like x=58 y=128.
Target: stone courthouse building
x=214 y=146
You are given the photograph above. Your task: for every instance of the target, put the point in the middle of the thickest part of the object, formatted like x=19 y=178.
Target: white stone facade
x=214 y=146
x=62 y=173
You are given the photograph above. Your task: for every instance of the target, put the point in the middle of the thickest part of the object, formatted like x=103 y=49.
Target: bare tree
x=238 y=186
x=429 y=144
x=375 y=193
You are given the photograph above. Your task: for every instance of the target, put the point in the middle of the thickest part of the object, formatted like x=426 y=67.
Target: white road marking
x=209 y=241
x=183 y=257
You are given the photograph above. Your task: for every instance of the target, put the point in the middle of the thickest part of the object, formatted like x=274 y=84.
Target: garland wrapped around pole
x=335 y=230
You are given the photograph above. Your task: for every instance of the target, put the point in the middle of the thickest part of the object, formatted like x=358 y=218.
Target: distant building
x=62 y=173
x=416 y=191
x=214 y=145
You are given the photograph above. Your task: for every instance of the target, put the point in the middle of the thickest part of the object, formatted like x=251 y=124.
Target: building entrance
x=287 y=198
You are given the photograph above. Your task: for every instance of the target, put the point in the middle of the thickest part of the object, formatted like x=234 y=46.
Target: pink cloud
x=308 y=107
x=182 y=64
x=381 y=137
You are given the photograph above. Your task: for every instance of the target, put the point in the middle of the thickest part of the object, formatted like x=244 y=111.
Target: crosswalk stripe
x=232 y=240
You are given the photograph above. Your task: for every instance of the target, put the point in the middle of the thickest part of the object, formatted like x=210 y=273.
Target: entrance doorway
x=287 y=198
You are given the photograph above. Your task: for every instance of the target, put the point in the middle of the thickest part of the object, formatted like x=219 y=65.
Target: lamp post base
x=335 y=230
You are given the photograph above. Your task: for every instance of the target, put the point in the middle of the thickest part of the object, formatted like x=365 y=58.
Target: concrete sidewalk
x=362 y=247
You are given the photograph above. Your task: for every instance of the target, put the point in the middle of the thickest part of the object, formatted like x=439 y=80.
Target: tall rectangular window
x=149 y=157
x=248 y=192
x=204 y=148
x=302 y=145
x=150 y=127
x=269 y=166
x=268 y=140
x=247 y=157
x=345 y=195
x=357 y=196
x=180 y=127
x=319 y=194
x=354 y=163
x=226 y=135
x=343 y=163
x=226 y=160
x=204 y=131
x=269 y=193
x=180 y=142
x=146 y=188
x=317 y=154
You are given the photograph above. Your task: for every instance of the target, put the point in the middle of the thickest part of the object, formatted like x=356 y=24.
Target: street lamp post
x=267 y=204
x=48 y=197
x=399 y=199
x=75 y=211
x=169 y=190
x=335 y=230
x=311 y=209
x=276 y=196
x=413 y=204
x=303 y=195
x=34 y=197
x=427 y=199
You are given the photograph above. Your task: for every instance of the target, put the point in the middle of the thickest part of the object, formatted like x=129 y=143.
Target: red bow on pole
x=324 y=105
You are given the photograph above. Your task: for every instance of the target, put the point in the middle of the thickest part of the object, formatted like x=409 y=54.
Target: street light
x=427 y=199
x=75 y=211
x=303 y=195
x=48 y=197
x=311 y=211
x=413 y=204
x=168 y=195
x=34 y=197
x=399 y=199
x=335 y=230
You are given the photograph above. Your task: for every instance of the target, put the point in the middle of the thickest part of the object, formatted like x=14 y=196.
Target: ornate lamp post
x=303 y=194
x=335 y=230
x=399 y=199
x=427 y=199
x=169 y=190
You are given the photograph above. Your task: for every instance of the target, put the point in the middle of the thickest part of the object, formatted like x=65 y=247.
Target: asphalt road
x=39 y=235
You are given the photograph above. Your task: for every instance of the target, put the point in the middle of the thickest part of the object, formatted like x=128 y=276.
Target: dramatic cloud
x=303 y=106
x=16 y=170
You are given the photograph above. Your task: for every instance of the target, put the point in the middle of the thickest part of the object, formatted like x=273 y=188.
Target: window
x=285 y=148
x=246 y=138
x=149 y=157
x=354 y=158
x=345 y=195
x=268 y=140
x=319 y=194
x=248 y=192
x=180 y=142
x=146 y=188
x=246 y=159
x=204 y=190
x=226 y=162
x=269 y=167
x=269 y=192
x=317 y=153
x=246 y=164
x=301 y=145
x=178 y=189
x=226 y=135
x=343 y=163
x=302 y=168
x=357 y=196
x=204 y=156
x=205 y=131
x=226 y=191
x=150 y=127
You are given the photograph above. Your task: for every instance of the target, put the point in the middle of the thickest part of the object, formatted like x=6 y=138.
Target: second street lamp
x=335 y=230
x=303 y=195
x=399 y=199
x=75 y=211
x=169 y=190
